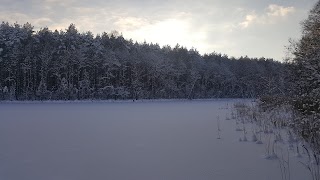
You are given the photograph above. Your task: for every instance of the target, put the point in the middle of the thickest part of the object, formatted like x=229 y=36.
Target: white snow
x=171 y=140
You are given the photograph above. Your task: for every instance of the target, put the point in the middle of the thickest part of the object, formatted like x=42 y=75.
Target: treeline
x=68 y=65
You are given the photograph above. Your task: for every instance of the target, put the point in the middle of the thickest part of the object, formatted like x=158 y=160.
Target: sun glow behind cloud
x=166 y=32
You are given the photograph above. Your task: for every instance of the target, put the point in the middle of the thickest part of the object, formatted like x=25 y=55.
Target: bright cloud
x=250 y=18
x=272 y=14
x=279 y=11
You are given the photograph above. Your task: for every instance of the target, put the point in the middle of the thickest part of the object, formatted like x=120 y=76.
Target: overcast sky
x=235 y=27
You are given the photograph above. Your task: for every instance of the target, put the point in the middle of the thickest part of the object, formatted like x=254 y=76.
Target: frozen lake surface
x=167 y=140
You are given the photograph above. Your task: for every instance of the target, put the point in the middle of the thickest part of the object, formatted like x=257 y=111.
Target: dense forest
x=69 y=65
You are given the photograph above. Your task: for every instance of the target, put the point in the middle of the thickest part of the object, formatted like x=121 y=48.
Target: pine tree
x=5 y=92
x=1 y=93
x=84 y=87
x=42 y=91
x=12 y=92
x=63 y=90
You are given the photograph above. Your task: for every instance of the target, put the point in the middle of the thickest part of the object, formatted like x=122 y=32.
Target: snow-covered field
x=169 y=140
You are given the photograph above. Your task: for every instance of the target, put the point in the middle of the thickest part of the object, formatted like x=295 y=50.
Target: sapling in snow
x=298 y=154
x=270 y=149
x=244 y=132
x=227 y=117
x=284 y=163
x=218 y=128
x=254 y=137
x=313 y=164
x=233 y=115
x=238 y=126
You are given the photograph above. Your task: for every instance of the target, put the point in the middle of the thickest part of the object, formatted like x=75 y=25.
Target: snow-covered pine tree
x=1 y=93
x=74 y=92
x=5 y=92
x=63 y=91
x=42 y=91
x=12 y=92
x=84 y=86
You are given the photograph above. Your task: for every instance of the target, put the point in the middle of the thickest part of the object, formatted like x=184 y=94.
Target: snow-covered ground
x=166 y=140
